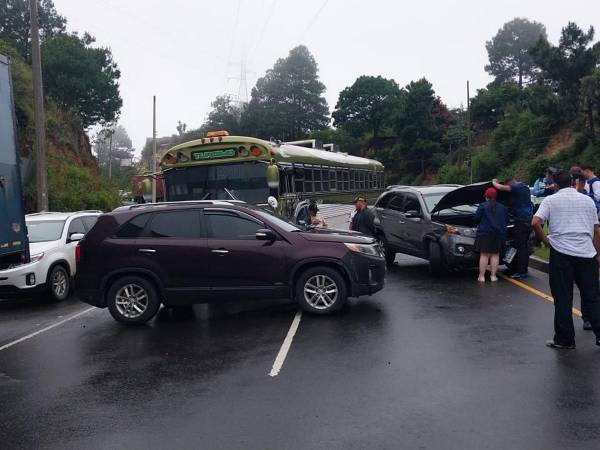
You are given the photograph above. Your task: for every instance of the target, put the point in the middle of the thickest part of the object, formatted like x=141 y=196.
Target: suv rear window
x=134 y=227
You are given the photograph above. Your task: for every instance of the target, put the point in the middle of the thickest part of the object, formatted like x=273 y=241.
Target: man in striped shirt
x=574 y=241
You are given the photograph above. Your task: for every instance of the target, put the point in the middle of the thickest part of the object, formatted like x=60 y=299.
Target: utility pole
x=39 y=119
x=469 y=133
x=110 y=135
x=154 y=149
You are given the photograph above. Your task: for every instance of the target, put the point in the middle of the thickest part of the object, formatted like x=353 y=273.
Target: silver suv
x=432 y=222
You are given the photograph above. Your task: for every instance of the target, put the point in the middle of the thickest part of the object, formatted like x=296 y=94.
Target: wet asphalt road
x=426 y=363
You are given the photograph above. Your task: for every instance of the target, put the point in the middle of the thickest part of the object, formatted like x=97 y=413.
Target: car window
x=384 y=201
x=134 y=227
x=89 y=221
x=396 y=202
x=175 y=224
x=76 y=226
x=412 y=204
x=44 y=231
x=230 y=226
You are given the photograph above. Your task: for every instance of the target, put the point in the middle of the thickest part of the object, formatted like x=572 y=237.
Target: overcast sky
x=186 y=52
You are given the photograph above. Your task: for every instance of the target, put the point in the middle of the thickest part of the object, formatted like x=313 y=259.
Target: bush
x=453 y=174
x=73 y=188
x=522 y=135
x=486 y=165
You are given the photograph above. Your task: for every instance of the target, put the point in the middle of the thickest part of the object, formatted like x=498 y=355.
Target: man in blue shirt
x=521 y=210
x=544 y=186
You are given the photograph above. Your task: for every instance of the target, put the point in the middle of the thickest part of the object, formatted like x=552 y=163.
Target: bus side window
x=308 y=180
x=317 y=179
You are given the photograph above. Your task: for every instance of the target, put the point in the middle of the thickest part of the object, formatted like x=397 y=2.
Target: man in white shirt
x=574 y=241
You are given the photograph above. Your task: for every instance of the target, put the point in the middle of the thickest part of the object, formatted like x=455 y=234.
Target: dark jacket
x=521 y=207
x=363 y=221
x=491 y=222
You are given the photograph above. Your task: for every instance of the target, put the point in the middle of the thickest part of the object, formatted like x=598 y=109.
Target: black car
x=432 y=222
x=138 y=257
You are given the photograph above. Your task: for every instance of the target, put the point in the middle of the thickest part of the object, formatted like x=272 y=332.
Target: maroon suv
x=138 y=257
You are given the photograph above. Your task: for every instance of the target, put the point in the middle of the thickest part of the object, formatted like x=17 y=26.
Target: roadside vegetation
x=81 y=89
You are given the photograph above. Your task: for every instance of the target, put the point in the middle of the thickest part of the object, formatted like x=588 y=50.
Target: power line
x=314 y=19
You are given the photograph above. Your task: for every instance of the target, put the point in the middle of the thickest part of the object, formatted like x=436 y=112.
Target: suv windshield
x=268 y=215
x=44 y=231
x=431 y=200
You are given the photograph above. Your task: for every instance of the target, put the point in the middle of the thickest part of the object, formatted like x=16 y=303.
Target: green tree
x=564 y=66
x=122 y=147
x=288 y=103
x=82 y=78
x=14 y=24
x=590 y=93
x=225 y=115
x=421 y=121
x=508 y=51
x=366 y=105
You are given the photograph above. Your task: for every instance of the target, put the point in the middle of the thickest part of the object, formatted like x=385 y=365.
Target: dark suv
x=138 y=257
x=433 y=222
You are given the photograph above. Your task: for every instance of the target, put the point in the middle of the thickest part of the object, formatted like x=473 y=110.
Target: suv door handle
x=220 y=251
x=147 y=250
x=401 y=221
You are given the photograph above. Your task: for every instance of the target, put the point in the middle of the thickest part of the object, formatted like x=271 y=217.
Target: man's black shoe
x=587 y=326
x=553 y=344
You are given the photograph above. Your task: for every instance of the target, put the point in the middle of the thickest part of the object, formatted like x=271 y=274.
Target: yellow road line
x=534 y=291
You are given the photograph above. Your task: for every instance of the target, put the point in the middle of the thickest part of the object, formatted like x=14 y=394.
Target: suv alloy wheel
x=59 y=283
x=389 y=253
x=132 y=300
x=321 y=290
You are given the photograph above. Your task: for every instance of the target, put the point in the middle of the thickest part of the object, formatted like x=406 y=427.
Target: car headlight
x=367 y=249
x=469 y=232
x=37 y=257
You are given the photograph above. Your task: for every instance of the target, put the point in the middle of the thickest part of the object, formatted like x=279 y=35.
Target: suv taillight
x=78 y=253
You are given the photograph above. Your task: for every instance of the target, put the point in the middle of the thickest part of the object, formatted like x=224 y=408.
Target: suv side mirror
x=76 y=237
x=412 y=214
x=266 y=235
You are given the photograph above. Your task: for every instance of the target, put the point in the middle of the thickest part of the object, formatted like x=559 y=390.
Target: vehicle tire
x=321 y=290
x=437 y=262
x=389 y=252
x=59 y=283
x=132 y=300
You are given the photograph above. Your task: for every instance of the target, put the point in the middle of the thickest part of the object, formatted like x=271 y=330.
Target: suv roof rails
x=187 y=202
x=89 y=211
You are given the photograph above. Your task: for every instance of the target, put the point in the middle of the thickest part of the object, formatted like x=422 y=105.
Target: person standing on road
x=521 y=210
x=491 y=232
x=574 y=242
x=363 y=219
x=315 y=218
x=592 y=186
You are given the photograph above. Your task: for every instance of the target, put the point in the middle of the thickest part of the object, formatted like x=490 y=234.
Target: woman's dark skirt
x=489 y=243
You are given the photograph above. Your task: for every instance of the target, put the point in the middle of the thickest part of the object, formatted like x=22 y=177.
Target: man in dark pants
x=574 y=241
x=363 y=219
x=521 y=209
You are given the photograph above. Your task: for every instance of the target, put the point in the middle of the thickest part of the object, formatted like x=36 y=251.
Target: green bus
x=223 y=167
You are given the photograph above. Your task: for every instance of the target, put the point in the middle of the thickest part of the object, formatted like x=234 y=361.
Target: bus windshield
x=246 y=181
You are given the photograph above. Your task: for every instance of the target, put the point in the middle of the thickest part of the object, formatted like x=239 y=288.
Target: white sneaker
x=481 y=279
x=492 y=279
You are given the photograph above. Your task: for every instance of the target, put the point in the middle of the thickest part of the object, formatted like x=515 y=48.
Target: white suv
x=52 y=241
